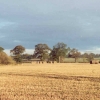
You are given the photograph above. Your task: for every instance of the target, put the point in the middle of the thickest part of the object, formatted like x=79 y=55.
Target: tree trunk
x=75 y=60
x=59 y=59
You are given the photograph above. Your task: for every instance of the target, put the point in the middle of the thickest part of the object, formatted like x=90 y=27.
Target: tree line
x=44 y=52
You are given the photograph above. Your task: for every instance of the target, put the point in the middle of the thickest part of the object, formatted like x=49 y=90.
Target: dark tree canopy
x=74 y=53
x=41 y=51
x=89 y=56
x=27 y=56
x=59 y=50
x=18 y=50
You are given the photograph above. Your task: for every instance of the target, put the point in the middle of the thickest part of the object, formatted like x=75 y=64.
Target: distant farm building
x=30 y=61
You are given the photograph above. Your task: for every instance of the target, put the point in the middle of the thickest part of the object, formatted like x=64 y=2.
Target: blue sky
x=29 y=22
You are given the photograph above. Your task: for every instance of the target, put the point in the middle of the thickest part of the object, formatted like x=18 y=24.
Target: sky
x=30 y=22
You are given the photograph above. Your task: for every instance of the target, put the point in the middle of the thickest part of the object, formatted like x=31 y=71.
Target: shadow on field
x=75 y=78
x=55 y=76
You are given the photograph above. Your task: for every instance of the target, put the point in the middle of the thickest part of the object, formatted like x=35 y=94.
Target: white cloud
x=3 y=24
x=29 y=51
x=7 y=51
x=95 y=50
x=17 y=41
x=2 y=36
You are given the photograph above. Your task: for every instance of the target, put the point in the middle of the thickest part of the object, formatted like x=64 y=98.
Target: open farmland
x=50 y=82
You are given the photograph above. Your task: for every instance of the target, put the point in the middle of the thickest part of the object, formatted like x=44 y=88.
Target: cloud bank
x=29 y=22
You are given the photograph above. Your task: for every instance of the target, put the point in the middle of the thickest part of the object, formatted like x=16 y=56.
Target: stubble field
x=50 y=82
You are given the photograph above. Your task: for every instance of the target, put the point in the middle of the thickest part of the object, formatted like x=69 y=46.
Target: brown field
x=50 y=82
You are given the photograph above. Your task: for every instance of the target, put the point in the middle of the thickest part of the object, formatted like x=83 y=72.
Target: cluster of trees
x=44 y=52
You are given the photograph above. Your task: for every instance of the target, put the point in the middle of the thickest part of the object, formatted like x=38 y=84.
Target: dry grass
x=50 y=82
